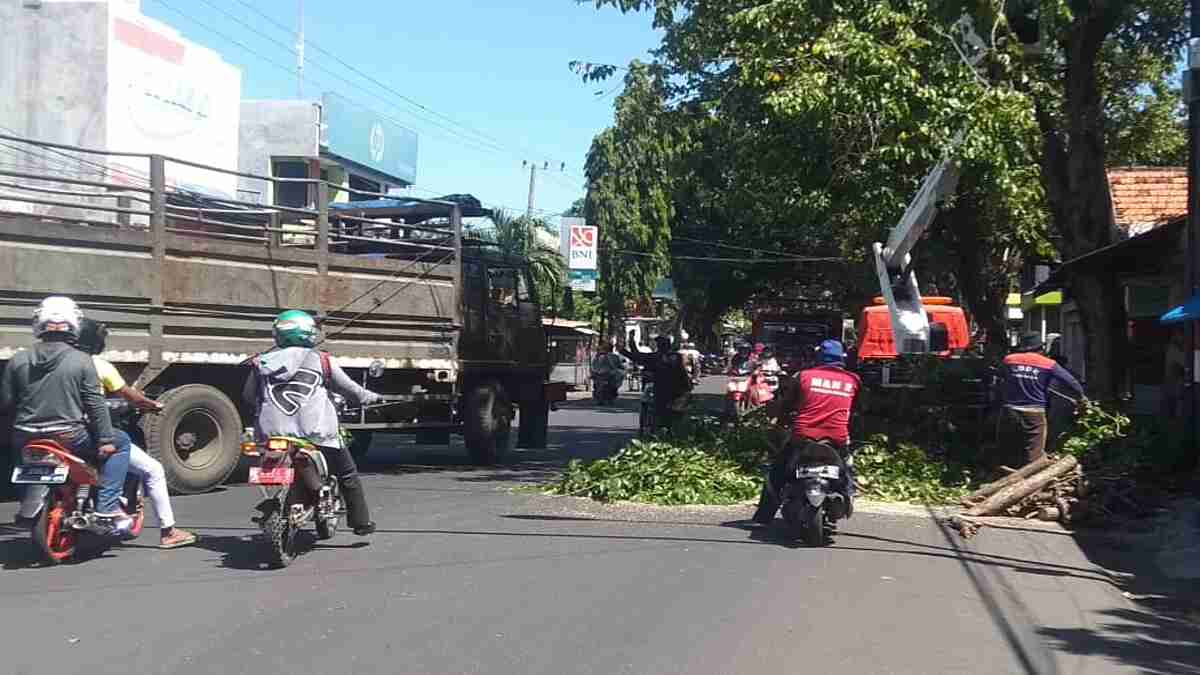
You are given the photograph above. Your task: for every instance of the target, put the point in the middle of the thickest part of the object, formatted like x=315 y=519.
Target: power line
x=491 y=140
x=732 y=247
x=757 y=261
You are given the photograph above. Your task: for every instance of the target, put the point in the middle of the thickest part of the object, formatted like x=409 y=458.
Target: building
x=1147 y=260
x=99 y=74
x=331 y=139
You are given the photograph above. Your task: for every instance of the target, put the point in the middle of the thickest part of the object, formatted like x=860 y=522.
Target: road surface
x=468 y=576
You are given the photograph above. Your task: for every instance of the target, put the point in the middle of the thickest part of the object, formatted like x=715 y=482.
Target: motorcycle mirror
x=375 y=370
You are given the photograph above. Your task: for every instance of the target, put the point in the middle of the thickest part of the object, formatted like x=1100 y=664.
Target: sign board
x=580 y=243
x=363 y=137
x=171 y=97
x=582 y=280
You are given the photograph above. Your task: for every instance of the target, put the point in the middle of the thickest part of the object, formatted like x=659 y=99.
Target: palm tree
x=517 y=236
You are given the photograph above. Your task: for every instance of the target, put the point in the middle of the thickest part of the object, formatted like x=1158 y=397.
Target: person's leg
x=154 y=478
x=1035 y=436
x=113 y=469
x=768 y=501
x=358 y=515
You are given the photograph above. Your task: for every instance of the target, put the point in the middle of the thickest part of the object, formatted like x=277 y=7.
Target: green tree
x=628 y=191
x=517 y=236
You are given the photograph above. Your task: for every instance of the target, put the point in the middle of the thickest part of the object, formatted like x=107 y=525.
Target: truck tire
x=487 y=423
x=533 y=429
x=197 y=437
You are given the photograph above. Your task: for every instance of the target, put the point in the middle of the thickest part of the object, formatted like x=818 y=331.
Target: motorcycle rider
x=608 y=370
x=55 y=395
x=820 y=400
x=691 y=357
x=741 y=359
x=289 y=389
x=671 y=381
x=92 y=338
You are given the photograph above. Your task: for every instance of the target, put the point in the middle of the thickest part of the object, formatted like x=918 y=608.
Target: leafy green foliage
x=1107 y=438
x=660 y=472
x=908 y=474
x=1094 y=429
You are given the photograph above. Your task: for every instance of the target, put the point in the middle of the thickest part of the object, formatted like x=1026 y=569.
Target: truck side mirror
x=939 y=337
x=375 y=370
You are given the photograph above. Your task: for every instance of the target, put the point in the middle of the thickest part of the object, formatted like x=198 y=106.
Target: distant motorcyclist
x=608 y=372
x=691 y=357
x=55 y=395
x=289 y=389
x=671 y=381
x=818 y=403
x=741 y=359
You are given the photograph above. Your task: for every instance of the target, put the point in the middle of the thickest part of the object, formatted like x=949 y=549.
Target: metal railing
x=100 y=188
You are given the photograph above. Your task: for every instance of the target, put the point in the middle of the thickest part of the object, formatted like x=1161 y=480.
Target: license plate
x=831 y=472
x=40 y=474
x=280 y=475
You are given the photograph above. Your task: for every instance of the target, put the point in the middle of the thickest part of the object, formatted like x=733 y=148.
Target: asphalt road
x=468 y=576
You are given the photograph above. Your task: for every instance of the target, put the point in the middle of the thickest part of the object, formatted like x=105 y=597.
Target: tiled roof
x=1144 y=198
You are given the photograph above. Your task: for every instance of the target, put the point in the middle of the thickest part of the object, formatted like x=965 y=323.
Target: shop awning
x=1135 y=253
x=1188 y=311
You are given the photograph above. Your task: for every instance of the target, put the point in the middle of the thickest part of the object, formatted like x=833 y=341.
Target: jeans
x=112 y=470
x=151 y=472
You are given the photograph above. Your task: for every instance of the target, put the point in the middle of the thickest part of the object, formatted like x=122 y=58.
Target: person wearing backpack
x=289 y=389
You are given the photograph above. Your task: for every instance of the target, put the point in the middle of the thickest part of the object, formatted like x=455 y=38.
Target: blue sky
x=499 y=67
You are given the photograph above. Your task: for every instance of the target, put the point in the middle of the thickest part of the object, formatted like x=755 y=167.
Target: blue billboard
x=361 y=136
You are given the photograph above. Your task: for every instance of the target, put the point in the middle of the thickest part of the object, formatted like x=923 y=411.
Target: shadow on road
x=1153 y=643
x=249 y=552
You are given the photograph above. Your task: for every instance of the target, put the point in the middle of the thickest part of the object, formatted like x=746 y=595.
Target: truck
x=794 y=334
x=447 y=329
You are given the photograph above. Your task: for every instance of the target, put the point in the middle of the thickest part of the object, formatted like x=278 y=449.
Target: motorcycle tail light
x=277 y=444
x=39 y=456
x=250 y=449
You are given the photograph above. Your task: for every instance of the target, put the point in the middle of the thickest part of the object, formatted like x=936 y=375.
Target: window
x=503 y=287
x=360 y=183
x=291 y=194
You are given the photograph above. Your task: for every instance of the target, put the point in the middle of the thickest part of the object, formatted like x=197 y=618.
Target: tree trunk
x=1020 y=474
x=1102 y=308
x=1014 y=493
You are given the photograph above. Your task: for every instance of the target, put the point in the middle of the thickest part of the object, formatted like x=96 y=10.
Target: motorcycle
x=816 y=493
x=61 y=496
x=298 y=488
x=606 y=387
x=748 y=388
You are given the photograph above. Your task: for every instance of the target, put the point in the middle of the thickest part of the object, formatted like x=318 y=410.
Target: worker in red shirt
x=1030 y=377
x=818 y=402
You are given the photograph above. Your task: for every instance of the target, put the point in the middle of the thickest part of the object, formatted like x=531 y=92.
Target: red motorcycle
x=749 y=387
x=66 y=511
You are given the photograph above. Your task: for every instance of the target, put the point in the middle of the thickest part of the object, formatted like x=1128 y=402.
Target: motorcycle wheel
x=646 y=421
x=281 y=537
x=814 y=525
x=53 y=540
x=327 y=524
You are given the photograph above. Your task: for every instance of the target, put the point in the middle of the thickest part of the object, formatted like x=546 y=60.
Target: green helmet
x=295 y=328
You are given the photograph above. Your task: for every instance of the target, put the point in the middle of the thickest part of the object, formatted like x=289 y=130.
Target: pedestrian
x=671 y=382
x=1028 y=377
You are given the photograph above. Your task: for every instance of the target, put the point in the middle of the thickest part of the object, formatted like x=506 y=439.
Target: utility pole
x=533 y=180
x=1193 y=225
x=300 y=50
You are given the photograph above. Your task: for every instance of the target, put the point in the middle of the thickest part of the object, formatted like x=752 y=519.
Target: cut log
x=1024 y=472
x=1014 y=493
x=1049 y=513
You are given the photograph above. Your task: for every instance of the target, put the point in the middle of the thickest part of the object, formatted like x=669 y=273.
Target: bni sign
x=579 y=244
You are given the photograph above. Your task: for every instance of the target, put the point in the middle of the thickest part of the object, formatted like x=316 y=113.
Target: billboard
x=363 y=137
x=171 y=97
x=582 y=280
x=580 y=244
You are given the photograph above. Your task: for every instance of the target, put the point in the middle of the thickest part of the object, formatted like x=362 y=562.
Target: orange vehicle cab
x=875 y=339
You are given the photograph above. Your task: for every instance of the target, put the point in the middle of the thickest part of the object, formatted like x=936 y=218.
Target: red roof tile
x=1144 y=198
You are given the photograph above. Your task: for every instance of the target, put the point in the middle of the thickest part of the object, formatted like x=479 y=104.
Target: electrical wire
x=757 y=261
x=732 y=247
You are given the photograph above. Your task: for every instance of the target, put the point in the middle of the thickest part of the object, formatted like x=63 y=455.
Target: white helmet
x=57 y=314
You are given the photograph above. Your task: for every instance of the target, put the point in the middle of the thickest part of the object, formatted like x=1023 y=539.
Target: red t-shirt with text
x=823 y=406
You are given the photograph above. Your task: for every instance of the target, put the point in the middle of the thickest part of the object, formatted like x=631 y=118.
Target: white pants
x=155 y=481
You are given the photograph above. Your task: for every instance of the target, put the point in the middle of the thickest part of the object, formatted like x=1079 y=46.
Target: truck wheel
x=487 y=423
x=197 y=437
x=360 y=444
x=534 y=423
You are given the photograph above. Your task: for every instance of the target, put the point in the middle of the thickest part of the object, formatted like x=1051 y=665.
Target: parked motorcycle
x=816 y=493
x=298 y=488
x=61 y=495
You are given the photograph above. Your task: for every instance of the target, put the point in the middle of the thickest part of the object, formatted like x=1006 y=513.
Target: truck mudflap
x=555 y=392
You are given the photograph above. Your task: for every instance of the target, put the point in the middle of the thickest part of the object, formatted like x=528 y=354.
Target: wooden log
x=1017 y=491
x=1049 y=513
x=1024 y=472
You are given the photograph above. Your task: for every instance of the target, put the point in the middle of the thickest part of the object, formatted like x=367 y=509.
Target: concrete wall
x=275 y=129
x=53 y=75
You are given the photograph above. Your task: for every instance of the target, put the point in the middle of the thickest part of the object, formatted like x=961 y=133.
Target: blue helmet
x=831 y=351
